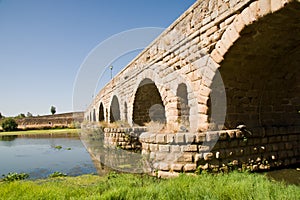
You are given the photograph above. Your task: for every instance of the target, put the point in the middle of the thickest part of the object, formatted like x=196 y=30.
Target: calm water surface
x=38 y=156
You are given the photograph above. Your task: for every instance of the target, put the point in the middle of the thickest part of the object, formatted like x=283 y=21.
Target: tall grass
x=127 y=186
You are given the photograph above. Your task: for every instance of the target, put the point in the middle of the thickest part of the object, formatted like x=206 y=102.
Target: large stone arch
x=114 y=111
x=148 y=105
x=161 y=87
x=260 y=68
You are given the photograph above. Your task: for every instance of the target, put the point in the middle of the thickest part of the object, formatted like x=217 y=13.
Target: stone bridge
x=223 y=63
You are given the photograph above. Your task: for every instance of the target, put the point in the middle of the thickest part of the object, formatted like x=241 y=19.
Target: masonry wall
x=220 y=151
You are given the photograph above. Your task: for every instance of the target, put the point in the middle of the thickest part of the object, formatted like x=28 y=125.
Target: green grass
x=127 y=186
x=37 y=132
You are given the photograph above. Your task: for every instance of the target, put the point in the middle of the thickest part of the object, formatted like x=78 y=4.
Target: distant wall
x=58 y=120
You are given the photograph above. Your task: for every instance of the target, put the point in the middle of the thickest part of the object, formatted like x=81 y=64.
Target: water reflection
x=8 y=137
x=38 y=156
x=110 y=158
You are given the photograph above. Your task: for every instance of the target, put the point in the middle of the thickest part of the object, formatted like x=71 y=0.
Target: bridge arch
x=261 y=69
x=114 y=112
x=148 y=105
x=101 y=112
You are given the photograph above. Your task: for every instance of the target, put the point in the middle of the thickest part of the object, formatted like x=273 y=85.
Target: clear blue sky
x=44 y=42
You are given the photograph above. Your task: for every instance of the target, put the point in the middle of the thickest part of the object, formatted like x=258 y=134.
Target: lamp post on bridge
x=111 y=68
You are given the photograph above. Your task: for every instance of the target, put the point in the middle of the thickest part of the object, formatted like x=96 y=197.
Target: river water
x=40 y=157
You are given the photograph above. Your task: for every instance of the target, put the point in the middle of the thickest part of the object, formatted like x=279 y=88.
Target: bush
x=14 y=177
x=9 y=124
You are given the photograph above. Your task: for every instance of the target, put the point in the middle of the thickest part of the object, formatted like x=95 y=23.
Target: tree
x=9 y=124
x=53 y=110
x=1 y=116
x=29 y=114
x=21 y=115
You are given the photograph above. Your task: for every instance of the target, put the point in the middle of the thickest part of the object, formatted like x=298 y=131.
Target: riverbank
x=67 y=131
x=128 y=186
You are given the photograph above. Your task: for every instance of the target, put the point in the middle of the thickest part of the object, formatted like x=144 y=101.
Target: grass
x=127 y=186
x=44 y=132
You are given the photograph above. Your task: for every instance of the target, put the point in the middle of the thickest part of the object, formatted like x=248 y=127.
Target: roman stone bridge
x=223 y=63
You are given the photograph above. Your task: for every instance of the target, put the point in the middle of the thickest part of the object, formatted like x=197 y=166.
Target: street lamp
x=111 y=68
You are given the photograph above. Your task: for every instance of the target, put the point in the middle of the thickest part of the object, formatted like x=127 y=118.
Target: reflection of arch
x=125 y=112
x=101 y=113
x=148 y=105
x=90 y=116
x=183 y=104
x=114 y=109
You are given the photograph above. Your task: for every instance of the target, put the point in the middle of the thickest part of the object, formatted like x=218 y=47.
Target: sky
x=43 y=43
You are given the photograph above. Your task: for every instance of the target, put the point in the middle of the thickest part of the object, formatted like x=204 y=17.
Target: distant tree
x=1 y=116
x=53 y=110
x=21 y=115
x=29 y=114
x=9 y=124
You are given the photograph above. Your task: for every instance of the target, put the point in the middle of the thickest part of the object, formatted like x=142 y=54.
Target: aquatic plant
x=57 y=174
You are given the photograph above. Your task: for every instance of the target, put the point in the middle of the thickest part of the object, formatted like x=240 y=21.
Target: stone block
x=164 y=148
x=180 y=138
x=160 y=139
x=153 y=147
x=216 y=56
x=164 y=166
x=200 y=137
x=160 y=156
x=220 y=47
x=189 y=138
x=204 y=148
x=189 y=167
x=264 y=7
x=170 y=138
x=175 y=148
x=232 y=33
x=163 y=174
x=152 y=155
x=185 y=157
x=176 y=167
x=189 y=148
x=152 y=138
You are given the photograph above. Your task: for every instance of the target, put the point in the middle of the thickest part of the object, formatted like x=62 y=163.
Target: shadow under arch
x=261 y=72
x=114 y=110
x=148 y=105
x=101 y=112
x=183 y=105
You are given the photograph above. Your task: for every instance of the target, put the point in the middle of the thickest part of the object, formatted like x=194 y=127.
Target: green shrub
x=14 y=177
x=9 y=124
